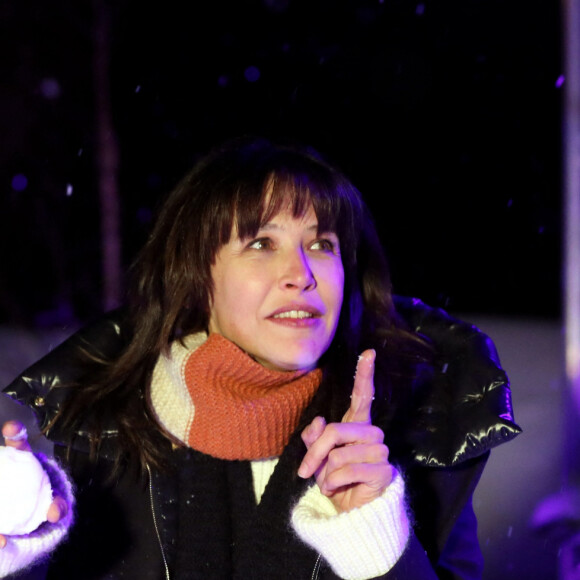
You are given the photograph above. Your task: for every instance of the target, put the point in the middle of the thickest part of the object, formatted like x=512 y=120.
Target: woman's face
x=278 y=296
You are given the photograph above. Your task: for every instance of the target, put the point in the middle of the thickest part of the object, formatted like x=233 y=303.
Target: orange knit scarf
x=240 y=409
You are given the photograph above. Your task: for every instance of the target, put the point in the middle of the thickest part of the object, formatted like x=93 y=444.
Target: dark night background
x=445 y=114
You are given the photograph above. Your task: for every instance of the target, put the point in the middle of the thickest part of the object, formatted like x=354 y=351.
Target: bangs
x=246 y=185
x=335 y=204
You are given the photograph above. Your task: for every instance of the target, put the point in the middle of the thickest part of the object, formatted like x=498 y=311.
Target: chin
x=288 y=365
x=290 y=357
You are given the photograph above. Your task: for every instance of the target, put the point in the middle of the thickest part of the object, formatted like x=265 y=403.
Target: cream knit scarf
x=213 y=397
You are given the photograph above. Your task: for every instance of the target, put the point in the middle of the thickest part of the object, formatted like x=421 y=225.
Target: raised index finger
x=363 y=390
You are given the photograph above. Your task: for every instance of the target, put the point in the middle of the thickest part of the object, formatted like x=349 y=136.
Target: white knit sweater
x=363 y=543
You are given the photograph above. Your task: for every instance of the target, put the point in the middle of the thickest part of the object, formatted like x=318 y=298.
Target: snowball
x=25 y=492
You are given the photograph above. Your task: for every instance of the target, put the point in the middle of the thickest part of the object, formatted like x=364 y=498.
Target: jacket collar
x=459 y=410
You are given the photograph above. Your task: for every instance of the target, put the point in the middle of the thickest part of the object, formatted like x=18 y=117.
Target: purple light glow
x=252 y=74
x=50 y=88
x=560 y=81
x=19 y=182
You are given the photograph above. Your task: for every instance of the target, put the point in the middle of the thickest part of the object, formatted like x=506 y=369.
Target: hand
x=348 y=459
x=58 y=508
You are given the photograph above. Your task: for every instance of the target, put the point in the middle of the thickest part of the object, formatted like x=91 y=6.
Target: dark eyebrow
x=275 y=226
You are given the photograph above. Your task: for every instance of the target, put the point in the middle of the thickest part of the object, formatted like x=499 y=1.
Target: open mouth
x=296 y=314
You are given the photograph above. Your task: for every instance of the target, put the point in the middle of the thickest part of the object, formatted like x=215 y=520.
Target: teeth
x=294 y=314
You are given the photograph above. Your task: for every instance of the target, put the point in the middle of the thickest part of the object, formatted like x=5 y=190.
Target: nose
x=296 y=271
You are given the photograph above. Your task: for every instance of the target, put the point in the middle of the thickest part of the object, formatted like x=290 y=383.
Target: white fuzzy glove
x=24 y=549
x=25 y=492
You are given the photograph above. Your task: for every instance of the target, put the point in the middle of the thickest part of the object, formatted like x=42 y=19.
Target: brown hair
x=243 y=184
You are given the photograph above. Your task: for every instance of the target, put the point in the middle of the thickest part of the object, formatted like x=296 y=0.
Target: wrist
x=363 y=543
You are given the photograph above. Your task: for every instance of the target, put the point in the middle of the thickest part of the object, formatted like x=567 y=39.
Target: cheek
x=220 y=306
x=337 y=284
x=235 y=301
x=334 y=290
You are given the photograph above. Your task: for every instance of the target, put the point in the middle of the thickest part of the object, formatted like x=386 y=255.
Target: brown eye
x=323 y=245
x=261 y=244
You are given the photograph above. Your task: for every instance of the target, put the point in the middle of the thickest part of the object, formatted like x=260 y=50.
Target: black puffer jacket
x=129 y=529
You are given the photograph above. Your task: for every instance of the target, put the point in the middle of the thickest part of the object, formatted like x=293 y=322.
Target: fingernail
x=302 y=471
x=362 y=356
x=308 y=435
x=18 y=436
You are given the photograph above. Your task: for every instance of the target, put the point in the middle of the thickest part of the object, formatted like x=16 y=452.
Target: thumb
x=15 y=435
x=57 y=510
x=313 y=431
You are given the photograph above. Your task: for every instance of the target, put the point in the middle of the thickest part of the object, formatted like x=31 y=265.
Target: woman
x=214 y=429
